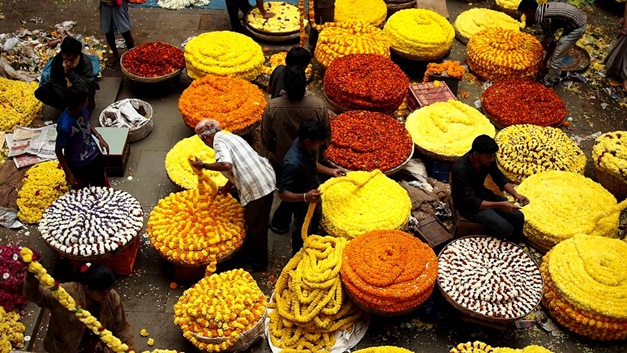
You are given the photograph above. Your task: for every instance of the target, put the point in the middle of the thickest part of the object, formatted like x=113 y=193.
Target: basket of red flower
x=152 y=62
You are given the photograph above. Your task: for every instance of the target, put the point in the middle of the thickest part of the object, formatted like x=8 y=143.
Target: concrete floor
x=146 y=294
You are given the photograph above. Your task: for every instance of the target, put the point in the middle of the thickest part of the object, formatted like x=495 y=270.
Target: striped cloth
x=251 y=174
x=555 y=15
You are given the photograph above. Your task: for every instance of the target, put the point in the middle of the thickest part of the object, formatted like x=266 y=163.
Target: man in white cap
x=254 y=179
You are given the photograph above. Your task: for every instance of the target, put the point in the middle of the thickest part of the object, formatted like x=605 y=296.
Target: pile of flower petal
x=372 y=12
x=489 y=277
x=501 y=54
x=153 y=59
x=514 y=102
x=447 y=128
x=363 y=201
x=366 y=82
x=423 y=34
x=11 y=331
x=223 y=53
x=389 y=271
x=235 y=103
x=221 y=308
x=586 y=287
x=367 y=141
x=475 y=20
x=525 y=150
x=338 y=39
x=609 y=155
x=309 y=304
x=284 y=21
x=181 y=172
x=43 y=184
x=197 y=226
x=564 y=204
x=18 y=105
x=12 y=270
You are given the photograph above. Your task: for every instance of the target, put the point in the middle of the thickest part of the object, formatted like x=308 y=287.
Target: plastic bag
x=8 y=218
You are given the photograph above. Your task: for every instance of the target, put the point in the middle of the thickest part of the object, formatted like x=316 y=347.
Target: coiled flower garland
x=43 y=184
x=372 y=12
x=181 y=172
x=610 y=154
x=480 y=347
x=421 y=33
x=338 y=39
x=473 y=21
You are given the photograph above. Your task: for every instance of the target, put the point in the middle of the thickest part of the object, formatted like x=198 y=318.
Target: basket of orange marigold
x=388 y=272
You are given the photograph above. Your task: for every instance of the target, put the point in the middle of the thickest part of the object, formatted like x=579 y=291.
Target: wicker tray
x=436 y=156
x=513 y=13
x=617 y=187
x=461 y=38
x=138 y=133
x=389 y=171
x=147 y=79
x=340 y=109
x=272 y=37
x=477 y=315
x=418 y=57
x=245 y=340
x=94 y=257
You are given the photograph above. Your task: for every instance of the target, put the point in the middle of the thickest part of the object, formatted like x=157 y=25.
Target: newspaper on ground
x=28 y=146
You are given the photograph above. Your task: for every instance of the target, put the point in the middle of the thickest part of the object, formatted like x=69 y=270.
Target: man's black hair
x=71 y=45
x=313 y=130
x=295 y=82
x=98 y=277
x=298 y=56
x=484 y=144
x=526 y=5
x=74 y=97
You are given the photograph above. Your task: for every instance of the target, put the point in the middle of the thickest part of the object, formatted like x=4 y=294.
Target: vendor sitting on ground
x=475 y=202
x=552 y=17
x=70 y=68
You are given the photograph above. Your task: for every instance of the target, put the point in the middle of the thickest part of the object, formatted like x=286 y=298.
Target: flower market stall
x=18 y=105
x=609 y=155
x=338 y=39
x=364 y=140
x=181 y=172
x=373 y=12
x=526 y=149
x=42 y=184
x=475 y=20
x=152 y=62
x=283 y=26
x=564 y=204
x=234 y=102
x=365 y=82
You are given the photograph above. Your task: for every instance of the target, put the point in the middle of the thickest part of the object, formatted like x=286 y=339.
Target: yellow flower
x=144 y=333
x=473 y=21
x=383 y=349
x=419 y=32
x=472 y=347
x=372 y=12
x=11 y=331
x=610 y=154
x=338 y=39
x=181 y=172
x=150 y=342
x=284 y=21
x=447 y=128
x=18 y=105
x=43 y=184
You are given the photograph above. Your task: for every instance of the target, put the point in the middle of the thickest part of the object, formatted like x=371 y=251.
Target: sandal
x=111 y=62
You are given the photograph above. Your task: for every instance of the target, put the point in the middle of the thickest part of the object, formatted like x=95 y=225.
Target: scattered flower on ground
x=43 y=184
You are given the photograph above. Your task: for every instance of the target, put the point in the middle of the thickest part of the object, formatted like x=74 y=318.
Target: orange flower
x=447 y=68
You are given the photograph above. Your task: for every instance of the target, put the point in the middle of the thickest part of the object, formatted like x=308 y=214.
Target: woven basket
x=341 y=109
x=394 y=6
x=461 y=38
x=136 y=133
x=272 y=37
x=617 y=187
x=436 y=156
x=379 y=312
x=500 y=126
x=147 y=79
x=93 y=257
x=389 y=171
x=418 y=57
x=513 y=13
x=245 y=340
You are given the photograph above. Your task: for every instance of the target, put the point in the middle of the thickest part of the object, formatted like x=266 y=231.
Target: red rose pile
x=12 y=274
x=154 y=59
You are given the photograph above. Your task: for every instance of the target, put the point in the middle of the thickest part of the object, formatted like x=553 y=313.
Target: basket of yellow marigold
x=223 y=53
x=181 y=172
x=564 y=204
x=43 y=184
x=498 y=54
x=282 y=27
x=445 y=130
x=373 y=12
x=18 y=105
x=223 y=312
x=610 y=162
x=388 y=272
x=480 y=347
x=586 y=286
x=237 y=104
x=419 y=34
x=338 y=39
x=473 y=21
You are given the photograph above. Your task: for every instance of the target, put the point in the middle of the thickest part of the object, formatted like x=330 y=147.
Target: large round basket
x=417 y=57
x=436 y=156
x=461 y=38
x=245 y=340
x=202 y=264
x=147 y=79
x=477 y=315
x=615 y=186
x=501 y=127
x=389 y=171
x=90 y=258
x=272 y=37
x=514 y=13
x=397 y=5
x=577 y=60
x=136 y=133
x=379 y=312
x=340 y=109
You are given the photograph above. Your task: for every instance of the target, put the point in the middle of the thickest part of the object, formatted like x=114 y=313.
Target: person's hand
x=312 y=196
x=67 y=66
x=71 y=180
x=196 y=163
x=268 y=15
x=103 y=144
x=338 y=172
x=522 y=200
x=224 y=189
x=509 y=206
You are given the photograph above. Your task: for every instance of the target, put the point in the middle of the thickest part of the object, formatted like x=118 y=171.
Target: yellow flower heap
x=372 y=12
x=586 y=286
x=310 y=304
x=284 y=21
x=528 y=149
x=499 y=54
x=11 y=331
x=361 y=202
x=563 y=204
x=18 y=105
x=421 y=33
x=223 y=53
x=480 y=347
x=473 y=21
x=43 y=184
x=610 y=157
x=220 y=307
x=197 y=226
x=338 y=39
x=447 y=128
x=178 y=167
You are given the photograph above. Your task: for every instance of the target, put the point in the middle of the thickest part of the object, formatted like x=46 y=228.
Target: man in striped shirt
x=254 y=179
x=552 y=17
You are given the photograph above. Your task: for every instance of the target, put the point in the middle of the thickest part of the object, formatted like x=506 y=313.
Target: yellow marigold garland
x=338 y=39
x=480 y=347
x=372 y=12
x=18 y=105
x=587 y=287
x=528 y=149
x=43 y=184
x=447 y=128
x=610 y=154
x=383 y=349
x=223 y=53
x=181 y=172
x=501 y=54
x=220 y=307
x=363 y=201
x=419 y=32
x=11 y=331
x=473 y=21
x=284 y=21
x=563 y=204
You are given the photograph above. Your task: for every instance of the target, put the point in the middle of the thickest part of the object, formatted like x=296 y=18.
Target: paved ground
x=146 y=293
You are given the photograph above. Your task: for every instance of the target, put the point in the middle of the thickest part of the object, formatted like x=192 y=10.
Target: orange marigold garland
x=448 y=68
x=235 y=103
x=367 y=141
x=389 y=271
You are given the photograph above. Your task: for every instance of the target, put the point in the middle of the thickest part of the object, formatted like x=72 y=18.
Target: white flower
x=6 y=275
x=15 y=257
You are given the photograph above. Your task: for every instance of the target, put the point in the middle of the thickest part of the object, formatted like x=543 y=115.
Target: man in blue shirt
x=76 y=149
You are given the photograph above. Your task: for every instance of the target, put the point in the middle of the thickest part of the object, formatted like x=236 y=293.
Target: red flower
x=153 y=59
